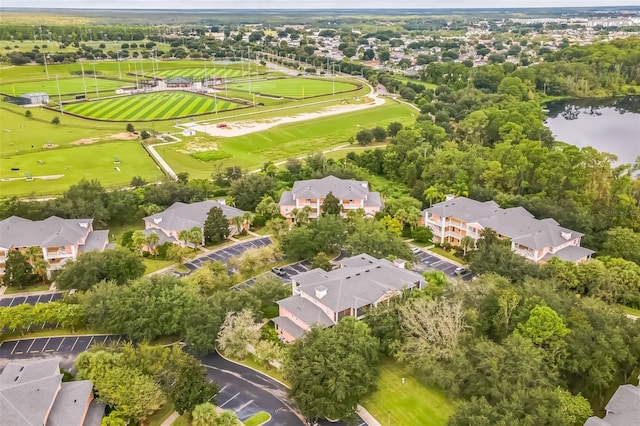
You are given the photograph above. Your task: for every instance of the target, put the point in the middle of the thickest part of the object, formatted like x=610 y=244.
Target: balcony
x=59 y=254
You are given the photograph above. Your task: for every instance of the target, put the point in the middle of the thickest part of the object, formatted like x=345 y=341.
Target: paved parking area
x=53 y=345
x=291 y=271
x=224 y=254
x=9 y=301
x=428 y=262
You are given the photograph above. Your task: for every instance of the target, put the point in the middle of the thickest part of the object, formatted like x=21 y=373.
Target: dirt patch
x=125 y=136
x=198 y=145
x=49 y=146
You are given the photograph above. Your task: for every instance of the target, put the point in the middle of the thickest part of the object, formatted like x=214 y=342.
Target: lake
x=610 y=125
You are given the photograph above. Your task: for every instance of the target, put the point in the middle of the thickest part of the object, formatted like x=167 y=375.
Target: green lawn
x=287 y=140
x=66 y=166
x=150 y=106
x=444 y=253
x=197 y=73
x=67 y=85
x=27 y=288
x=631 y=311
x=297 y=87
x=258 y=419
x=161 y=415
x=408 y=404
x=152 y=265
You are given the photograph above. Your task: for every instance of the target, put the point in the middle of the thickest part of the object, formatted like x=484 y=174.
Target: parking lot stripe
x=14 y=347
x=45 y=344
x=74 y=343
x=32 y=342
x=61 y=341
x=90 y=340
x=228 y=400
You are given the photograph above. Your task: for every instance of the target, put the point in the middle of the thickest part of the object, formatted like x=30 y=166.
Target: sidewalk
x=169 y=420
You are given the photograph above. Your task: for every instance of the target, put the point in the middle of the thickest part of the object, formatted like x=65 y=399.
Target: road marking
x=60 y=344
x=89 y=344
x=45 y=345
x=243 y=406
x=11 y=303
x=74 y=343
x=32 y=342
x=228 y=400
x=14 y=348
x=38 y=300
x=105 y=339
x=223 y=388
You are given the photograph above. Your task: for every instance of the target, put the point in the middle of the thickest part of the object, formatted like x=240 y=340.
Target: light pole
x=84 y=82
x=118 y=60
x=46 y=69
x=95 y=80
x=59 y=95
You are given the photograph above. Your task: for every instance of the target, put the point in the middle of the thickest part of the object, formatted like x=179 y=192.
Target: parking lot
x=224 y=254
x=428 y=262
x=53 y=345
x=290 y=271
x=9 y=301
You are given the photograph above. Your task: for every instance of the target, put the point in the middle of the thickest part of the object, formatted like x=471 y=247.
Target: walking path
x=165 y=166
x=169 y=420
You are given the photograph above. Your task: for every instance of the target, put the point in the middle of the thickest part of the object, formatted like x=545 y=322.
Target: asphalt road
x=247 y=392
x=427 y=262
x=290 y=271
x=9 y=301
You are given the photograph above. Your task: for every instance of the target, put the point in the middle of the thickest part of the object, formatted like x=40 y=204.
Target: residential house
x=61 y=240
x=32 y=394
x=623 y=409
x=535 y=239
x=323 y=298
x=353 y=195
x=183 y=217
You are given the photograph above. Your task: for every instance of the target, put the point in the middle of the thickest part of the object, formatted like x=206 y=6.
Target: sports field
x=150 y=106
x=298 y=87
x=67 y=86
x=66 y=166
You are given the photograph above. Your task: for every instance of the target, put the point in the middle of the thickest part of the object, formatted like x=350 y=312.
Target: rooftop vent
x=566 y=235
x=157 y=220
x=400 y=263
x=222 y=201
x=84 y=225
x=321 y=291
x=450 y=197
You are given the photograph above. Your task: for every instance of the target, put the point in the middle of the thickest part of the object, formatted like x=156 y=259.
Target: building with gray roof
x=623 y=408
x=352 y=194
x=61 y=240
x=182 y=217
x=323 y=298
x=32 y=394
x=535 y=239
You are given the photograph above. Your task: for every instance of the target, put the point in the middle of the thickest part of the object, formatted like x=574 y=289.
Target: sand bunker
x=126 y=136
x=46 y=177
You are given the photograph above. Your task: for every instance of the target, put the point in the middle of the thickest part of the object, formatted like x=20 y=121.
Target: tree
x=40 y=269
x=138 y=240
x=204 y=415
x=332 y=369
x=90 y=268
x=28 y=114
x=17 y=270
x=138 y=182
x=322 y=261
x=331 y=205
x=379 y=134
x=55 y=120
x=433 y=194
x=393 y=128
x=152 y=241
x=177 y=254
x=302 y=216
x=216 y=227
x=268 y=208
x=544 y=327
x=364 y=137
x=238 y=223
x=623 y=243
x=238 y=330
x=466 y=243
x=194 y=236
x=130 y=128
x=187 y=382
x=249 y=190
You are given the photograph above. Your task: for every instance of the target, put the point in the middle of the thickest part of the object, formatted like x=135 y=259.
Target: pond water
x=609 y=125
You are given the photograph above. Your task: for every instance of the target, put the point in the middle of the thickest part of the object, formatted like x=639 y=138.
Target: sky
x=308 y=4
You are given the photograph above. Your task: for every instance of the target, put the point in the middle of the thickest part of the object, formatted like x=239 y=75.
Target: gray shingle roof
x=570 y=254
x=71 y=404
x=358 y=285
x=465 y=208
x=53 y=231
x=289 y=326
x=95 y=413
x=623 y=408
x=343 y=189
x=181 y=216
x=164 y=238
x=96 y=241
x=305 y=310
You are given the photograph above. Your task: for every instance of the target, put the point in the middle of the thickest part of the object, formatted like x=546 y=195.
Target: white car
x=416 y=249
x=460 y=270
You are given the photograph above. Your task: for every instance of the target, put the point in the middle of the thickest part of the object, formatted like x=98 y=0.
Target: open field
x=151 y=106
x=67 y=86
x=66 y=166
x=285 y=141
x=407 y=404
x=298 y=88
x=197 y=73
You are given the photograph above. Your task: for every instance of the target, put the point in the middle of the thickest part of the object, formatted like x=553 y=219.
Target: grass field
x=298 y=88
x=406 y=404
x=288 y=140
x=150 y=106
x=196 y=73
x=67 y=86
x=90 y=161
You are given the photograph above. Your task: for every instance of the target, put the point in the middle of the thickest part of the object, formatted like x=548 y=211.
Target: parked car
x=460 y=270
x=415 y=249
x=279 y=271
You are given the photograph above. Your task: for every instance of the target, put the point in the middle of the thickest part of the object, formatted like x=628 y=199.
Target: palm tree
x=433 y=194
x=302 y=215
x=184 y=236
x=152 y=241
x=40 y=268
x=248 y=218
x=466 y=243
x=195 y=237
x=461 y=188
x=32 y=254
x=238 y=222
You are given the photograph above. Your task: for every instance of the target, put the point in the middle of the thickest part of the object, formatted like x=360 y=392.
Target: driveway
x=427 y=262
x=290 y=270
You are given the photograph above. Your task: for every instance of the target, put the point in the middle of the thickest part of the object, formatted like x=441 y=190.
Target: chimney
x=400 y=263
x=321 y=291
x=450 y=197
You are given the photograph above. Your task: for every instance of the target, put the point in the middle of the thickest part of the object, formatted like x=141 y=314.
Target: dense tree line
x=53 y=314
